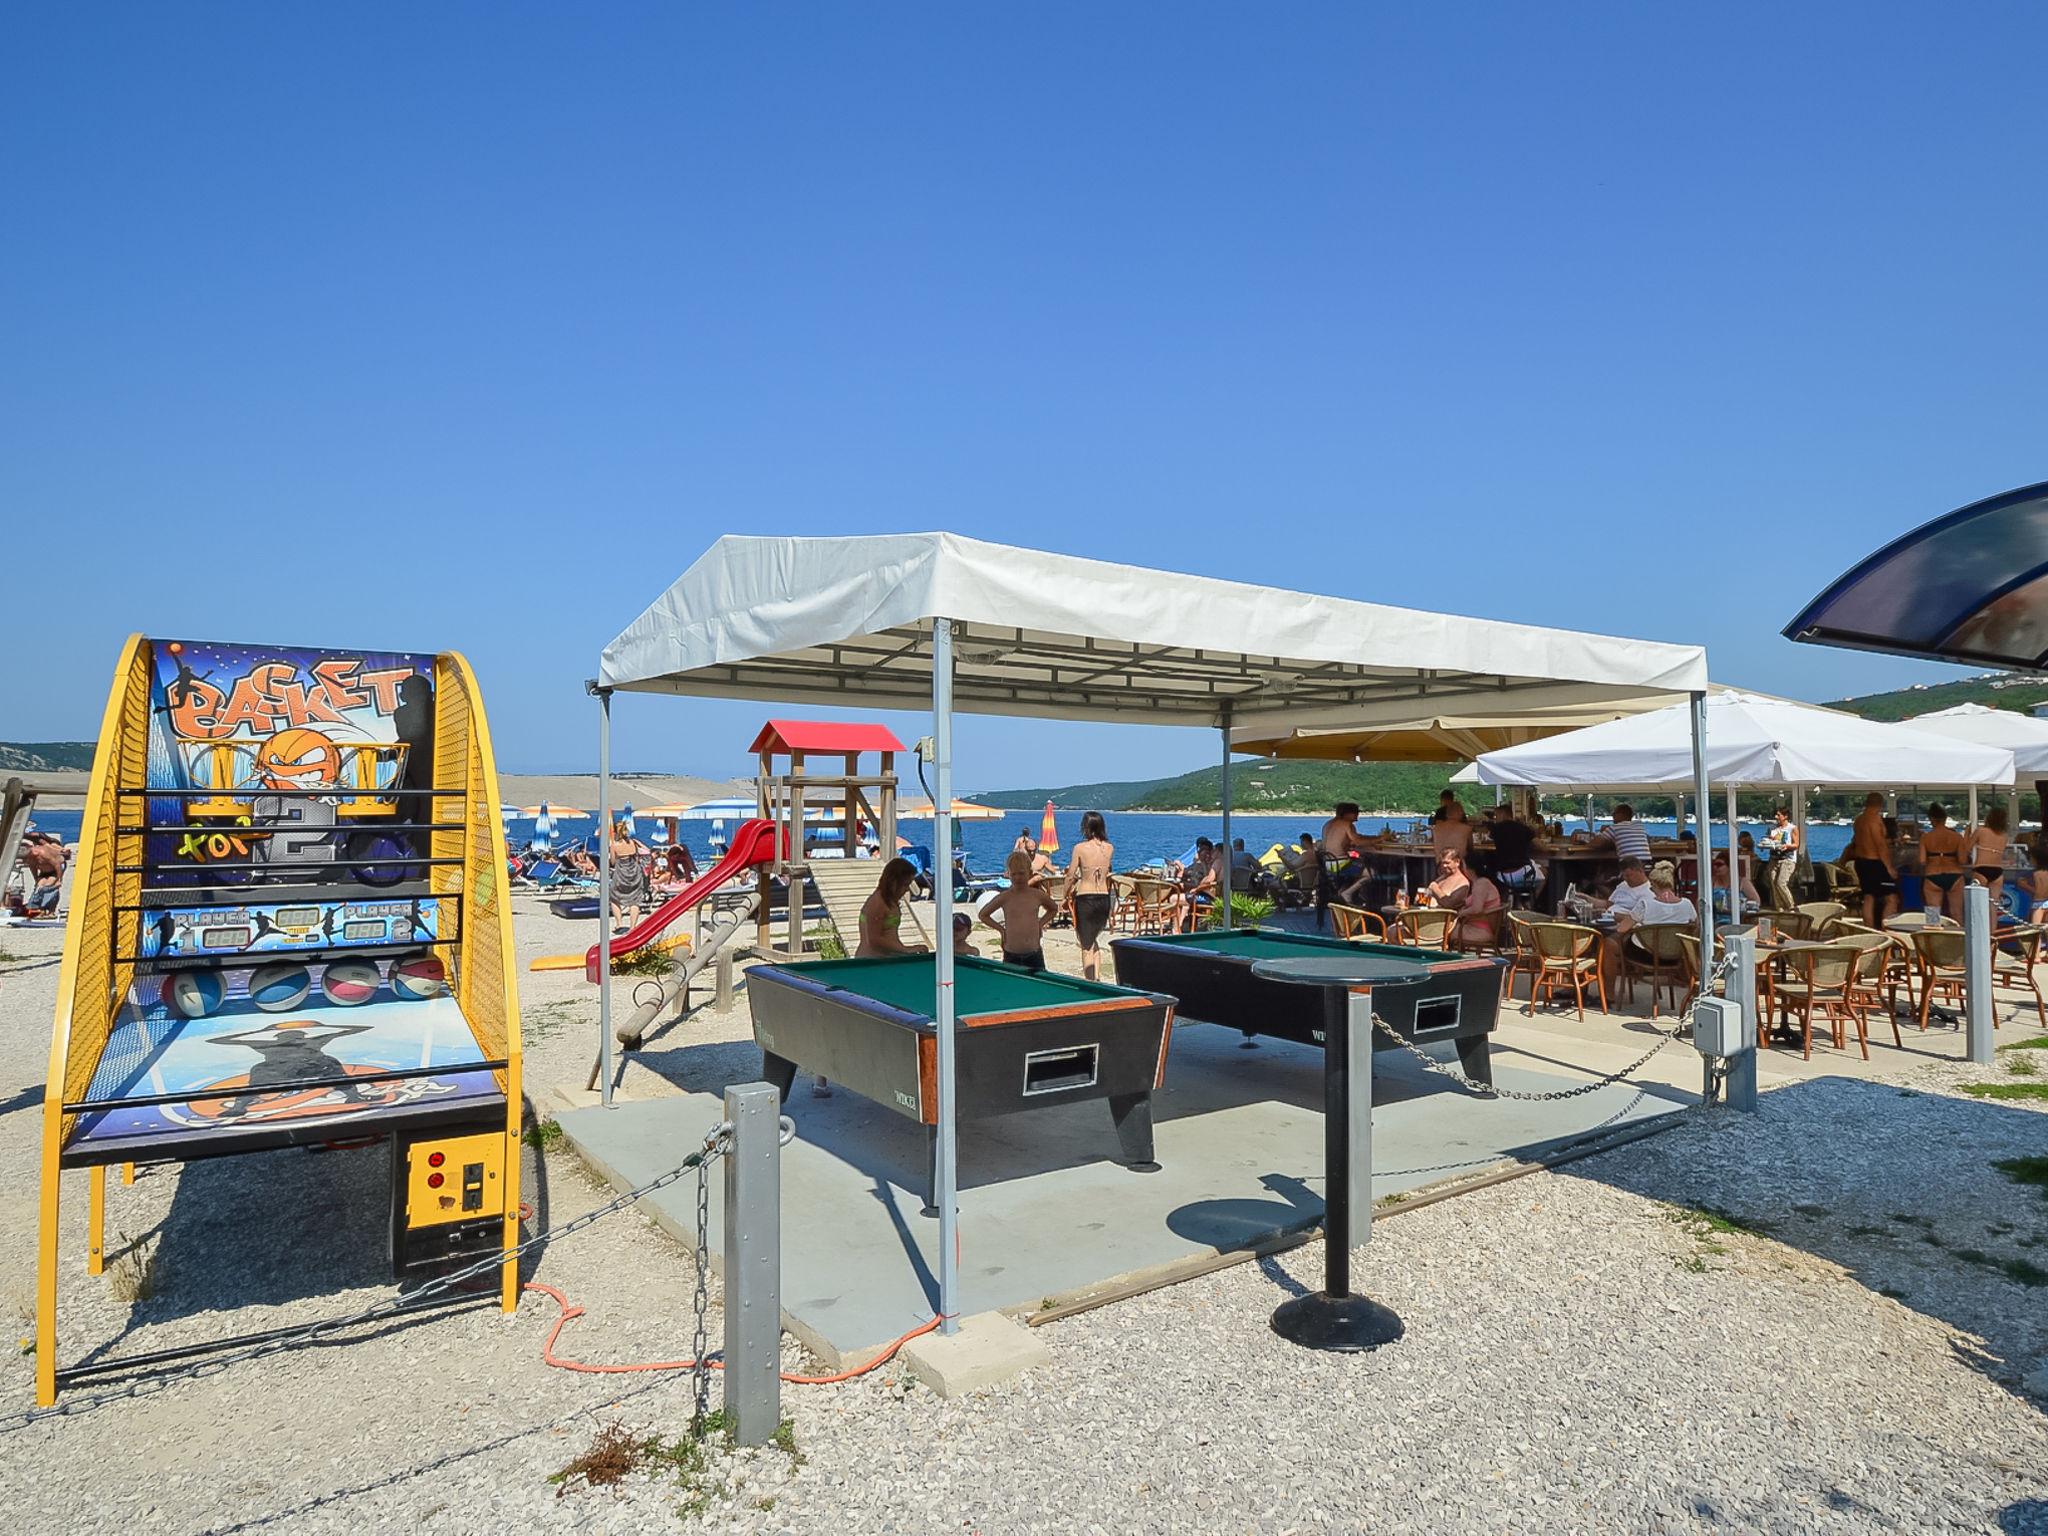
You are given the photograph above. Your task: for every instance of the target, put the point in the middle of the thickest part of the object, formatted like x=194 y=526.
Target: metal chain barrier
x=700 y=1299
x=717 y=1142
x=1715 y=973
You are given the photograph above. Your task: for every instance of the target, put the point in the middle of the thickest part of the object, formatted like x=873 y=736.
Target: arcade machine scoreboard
x=289 y=928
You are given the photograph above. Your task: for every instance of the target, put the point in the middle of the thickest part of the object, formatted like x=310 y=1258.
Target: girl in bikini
x=881 y=915
x=1088 y=881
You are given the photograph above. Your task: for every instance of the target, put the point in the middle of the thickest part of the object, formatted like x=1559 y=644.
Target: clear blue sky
x=472 y=325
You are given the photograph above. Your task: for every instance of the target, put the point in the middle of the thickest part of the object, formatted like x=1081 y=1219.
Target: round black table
x=1335 y=1318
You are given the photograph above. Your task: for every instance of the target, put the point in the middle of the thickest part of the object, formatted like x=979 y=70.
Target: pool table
x=1022 y=1041
x=1210 y=972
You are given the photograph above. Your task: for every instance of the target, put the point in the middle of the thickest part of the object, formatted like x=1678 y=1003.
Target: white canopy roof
x=848 y=621
x=2022 y=735
x=1751 y=740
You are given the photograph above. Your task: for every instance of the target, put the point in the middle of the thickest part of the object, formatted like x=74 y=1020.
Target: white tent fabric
x=2022 y=735
x=847 y=621
x=1751 y=740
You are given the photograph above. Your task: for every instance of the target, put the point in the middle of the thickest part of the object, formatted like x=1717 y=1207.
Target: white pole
x=604 y=890
x=1799 y=820
x=1734 y=869
x=944 y=1178
x=1973 y=808
x=1227 y=853
x=1703 y=800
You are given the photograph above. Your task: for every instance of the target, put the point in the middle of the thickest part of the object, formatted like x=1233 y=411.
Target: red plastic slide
x=753 y=843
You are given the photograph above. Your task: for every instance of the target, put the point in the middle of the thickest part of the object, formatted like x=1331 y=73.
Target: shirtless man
x=1019 y=914
x=1342 y=843
x=1872 y=852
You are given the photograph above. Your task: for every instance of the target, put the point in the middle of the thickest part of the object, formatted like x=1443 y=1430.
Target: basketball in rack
x=231 y=769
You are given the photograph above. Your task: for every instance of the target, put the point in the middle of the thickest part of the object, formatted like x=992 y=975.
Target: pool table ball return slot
x=1024 y=1041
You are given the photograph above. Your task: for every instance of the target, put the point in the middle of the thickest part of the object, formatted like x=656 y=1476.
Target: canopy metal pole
x=1734 y=866
x=604 y=892
x=1703 y=800
x=944 y=1169
x=1973 y=808
x=1226 y=852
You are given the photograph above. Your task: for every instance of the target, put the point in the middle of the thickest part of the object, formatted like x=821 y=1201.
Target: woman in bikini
x=1941 y=861
x=881 y=915
x=1088 y=883
x=1987 y=855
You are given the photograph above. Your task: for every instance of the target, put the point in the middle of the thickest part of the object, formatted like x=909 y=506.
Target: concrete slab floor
x=1045 y=1209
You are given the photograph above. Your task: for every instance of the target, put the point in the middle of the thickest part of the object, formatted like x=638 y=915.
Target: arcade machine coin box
x=452 y=1200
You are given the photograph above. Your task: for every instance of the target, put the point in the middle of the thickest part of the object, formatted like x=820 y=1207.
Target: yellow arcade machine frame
x=467 y=860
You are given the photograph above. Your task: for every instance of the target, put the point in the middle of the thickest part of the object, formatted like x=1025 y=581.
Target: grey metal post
x=753 y=1263
x=1704 y=800
x=1742 y=987
x=944 y=1176
x=1223 y=880
x=1358 y=1112
x=1977 y=971
x=604 y=893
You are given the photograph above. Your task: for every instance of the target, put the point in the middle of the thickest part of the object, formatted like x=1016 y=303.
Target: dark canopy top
x=1970 y=587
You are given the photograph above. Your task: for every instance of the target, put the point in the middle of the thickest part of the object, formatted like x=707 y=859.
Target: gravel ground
x=1814 y=1319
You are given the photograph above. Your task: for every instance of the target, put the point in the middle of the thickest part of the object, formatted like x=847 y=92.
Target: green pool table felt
x=907 y=982
x=1268 y=945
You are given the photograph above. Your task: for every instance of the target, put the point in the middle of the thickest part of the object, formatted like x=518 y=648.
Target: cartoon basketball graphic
x=419 y=976
x=348 y=982
x=299 y=758
x=279 y=986
x=194 y=994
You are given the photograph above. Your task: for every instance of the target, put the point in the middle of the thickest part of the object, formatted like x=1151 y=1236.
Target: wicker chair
x=1791 y=923
x=1820 y=977
x=1654 y=951
x=1481 y=933
x=1873 y=986
x=1939 y=952
x=1689 y=946
x=1523 y=956
x=1900 y=964
x=1425 y=927
x=1567 y=955
x=1818 y=912
x=1357 y=923
x=2014 y=954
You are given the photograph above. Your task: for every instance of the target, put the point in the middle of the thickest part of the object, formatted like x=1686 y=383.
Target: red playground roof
x=821 y=736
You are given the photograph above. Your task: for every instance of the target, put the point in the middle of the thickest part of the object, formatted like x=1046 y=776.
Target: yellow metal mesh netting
x=98 y=892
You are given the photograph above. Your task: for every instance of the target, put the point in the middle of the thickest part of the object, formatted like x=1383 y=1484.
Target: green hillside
x=1113 y=796
x=1994 y=690
x=1262 y=784
x=44 y=756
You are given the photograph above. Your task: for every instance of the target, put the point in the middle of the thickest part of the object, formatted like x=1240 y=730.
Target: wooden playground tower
x=814 y=810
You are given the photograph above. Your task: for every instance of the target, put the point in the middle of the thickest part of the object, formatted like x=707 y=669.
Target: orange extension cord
x=571 y=1310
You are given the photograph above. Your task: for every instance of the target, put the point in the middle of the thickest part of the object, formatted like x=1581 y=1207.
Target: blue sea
x=1141 y=837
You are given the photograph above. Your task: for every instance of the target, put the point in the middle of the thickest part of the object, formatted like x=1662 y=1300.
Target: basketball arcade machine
x=289 y=927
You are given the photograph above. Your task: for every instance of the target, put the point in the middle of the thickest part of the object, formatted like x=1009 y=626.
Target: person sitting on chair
x=1343 y=850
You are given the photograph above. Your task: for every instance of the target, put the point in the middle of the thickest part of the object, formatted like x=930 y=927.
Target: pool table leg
x=1132 y=1113
x=931 y=1171
x=780 y=1071
x=1475 y=1055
